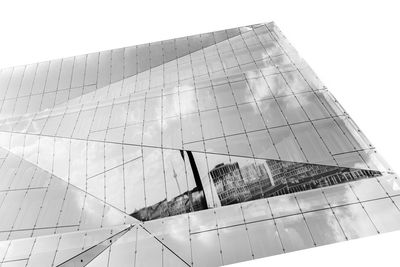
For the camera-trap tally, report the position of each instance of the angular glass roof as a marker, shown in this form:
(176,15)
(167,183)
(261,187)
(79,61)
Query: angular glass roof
(198,151)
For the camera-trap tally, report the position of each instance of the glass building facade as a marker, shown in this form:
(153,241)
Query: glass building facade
(204,150)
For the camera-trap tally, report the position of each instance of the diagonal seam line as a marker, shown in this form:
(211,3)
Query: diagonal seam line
(155,66)
(119,165)
(175,149)
(121,233)
(164,245)
(69,184)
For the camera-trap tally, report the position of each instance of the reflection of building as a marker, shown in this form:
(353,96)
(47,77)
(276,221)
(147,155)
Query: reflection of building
(290,177)
(235,184)
(229,183)
(187,202)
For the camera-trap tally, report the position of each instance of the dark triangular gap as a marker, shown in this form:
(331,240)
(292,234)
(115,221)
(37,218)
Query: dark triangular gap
(231,180)
(261,188)
(237,183)
(367,158)
(85,257)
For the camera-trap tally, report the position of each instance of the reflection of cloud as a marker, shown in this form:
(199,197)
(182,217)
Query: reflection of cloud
(259,88)
(188,100)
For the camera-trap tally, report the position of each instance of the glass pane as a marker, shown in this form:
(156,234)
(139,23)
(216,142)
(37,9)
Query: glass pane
(283,205)
(294,233)
(368,189)
(384,214)
(66,73)
(10,208)
(229,216)
(261,145)
(311,143)
(241,92)
(69,246)
(278,85)
(390,183)
(172,133)
(82,126)
(354,221)
(72,206)
(259,88)
(239,145)
(148,250)
(271,113)
(153,176)
(29,209)
(152,133)
(91,68)
(339,194)
(352,134)
(135,112)
(52,204)
(188,102)
(312,106)
(78,73)
(233,251)
(202,221)
(231,121)
(206,249)
(118,115)
(256,210)
(286,144)
(191,128)
(264,239)
(44,250)
(291,109)
(251,117)
(123,250)
(171,105)
(211,124)
(206,99)
(332,136)
(67,124)
(311,200)
(224,96)
(53,74)
(324,227)
(295,80)
(19,249)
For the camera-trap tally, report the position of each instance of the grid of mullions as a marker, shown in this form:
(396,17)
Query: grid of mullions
(56,249)
(33,202)
(268,94)
(218,63)
(23,89)
(282,224)
(208,238)
(113,124)
(273,114)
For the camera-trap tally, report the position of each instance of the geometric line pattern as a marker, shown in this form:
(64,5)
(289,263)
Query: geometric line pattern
(168,153)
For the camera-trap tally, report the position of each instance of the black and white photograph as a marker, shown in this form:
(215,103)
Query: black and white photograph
(199,134)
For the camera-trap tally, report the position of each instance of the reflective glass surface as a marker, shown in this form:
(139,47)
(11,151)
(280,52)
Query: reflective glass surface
(203,150)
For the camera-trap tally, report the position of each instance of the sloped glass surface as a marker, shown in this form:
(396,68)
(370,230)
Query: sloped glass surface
(198,142)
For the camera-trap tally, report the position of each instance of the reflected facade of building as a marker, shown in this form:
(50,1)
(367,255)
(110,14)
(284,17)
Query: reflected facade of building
(236,184)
